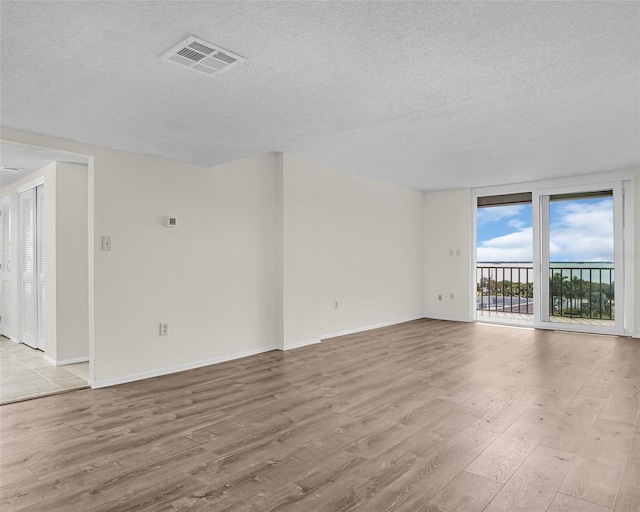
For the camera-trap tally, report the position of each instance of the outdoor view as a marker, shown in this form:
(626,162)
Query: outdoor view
(581,270)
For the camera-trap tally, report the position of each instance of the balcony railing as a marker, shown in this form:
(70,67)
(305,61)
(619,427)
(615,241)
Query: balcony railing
(505,289)
(575,292)
(582,292)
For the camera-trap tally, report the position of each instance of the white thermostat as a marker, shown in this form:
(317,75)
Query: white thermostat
(170,222)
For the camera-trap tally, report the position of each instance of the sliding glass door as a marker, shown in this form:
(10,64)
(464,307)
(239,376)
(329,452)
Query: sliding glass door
(578,240)
(504,265)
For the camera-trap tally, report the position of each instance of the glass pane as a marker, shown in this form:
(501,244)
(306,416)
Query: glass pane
(581,259)
(504,273)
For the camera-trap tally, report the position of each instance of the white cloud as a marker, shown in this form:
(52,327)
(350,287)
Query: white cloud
(583,232)
(497,213)
(517,246)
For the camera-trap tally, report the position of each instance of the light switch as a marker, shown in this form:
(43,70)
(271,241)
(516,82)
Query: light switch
(106,243)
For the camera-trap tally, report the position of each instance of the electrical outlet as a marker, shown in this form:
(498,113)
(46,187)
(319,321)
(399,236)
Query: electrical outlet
(440,297)
(451,295)
(450,252)
(164,329)
(336,305)
(457,252)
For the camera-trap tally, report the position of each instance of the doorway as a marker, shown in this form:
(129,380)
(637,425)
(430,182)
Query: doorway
(552,258)
(60,215)
(581,282)
(504,259)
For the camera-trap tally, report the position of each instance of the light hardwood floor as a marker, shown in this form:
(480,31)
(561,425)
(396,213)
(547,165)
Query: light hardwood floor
(423,416)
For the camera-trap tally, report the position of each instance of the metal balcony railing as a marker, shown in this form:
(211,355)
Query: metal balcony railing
(574,291)
(583,292)
(505,289)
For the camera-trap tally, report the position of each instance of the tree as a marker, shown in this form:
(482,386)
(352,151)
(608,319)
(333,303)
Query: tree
(599,305)
(559,290)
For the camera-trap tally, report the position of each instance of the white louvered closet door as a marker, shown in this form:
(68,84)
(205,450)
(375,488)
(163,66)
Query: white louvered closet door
(28,260)
(40,247)
(5,325)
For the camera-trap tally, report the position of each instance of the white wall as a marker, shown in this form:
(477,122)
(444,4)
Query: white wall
(71,239)
(50,313)
(636,254)
(259,242)
(371,252)
(448,219)
(300,251)
(212,278)
(347,239)
(219,277)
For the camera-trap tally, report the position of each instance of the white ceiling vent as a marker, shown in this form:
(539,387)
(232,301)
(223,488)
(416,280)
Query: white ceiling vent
(201,56)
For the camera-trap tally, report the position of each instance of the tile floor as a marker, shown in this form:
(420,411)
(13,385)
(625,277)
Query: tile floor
(25,374)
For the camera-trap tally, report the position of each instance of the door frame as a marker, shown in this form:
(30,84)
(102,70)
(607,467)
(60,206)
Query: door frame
(541,257)
(597,181)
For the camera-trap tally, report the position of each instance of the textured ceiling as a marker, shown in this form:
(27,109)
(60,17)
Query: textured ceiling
(429,95)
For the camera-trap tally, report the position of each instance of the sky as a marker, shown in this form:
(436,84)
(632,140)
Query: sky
(580,230)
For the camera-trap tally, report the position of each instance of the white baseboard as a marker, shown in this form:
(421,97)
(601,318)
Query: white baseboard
(178,368)
(63,362)
(636,335)
(11,338)
(74,360)
(49,360)
(300,344)
(369,327)
(449,318)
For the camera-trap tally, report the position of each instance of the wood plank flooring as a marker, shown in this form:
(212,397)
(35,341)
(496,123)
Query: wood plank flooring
(423,416)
